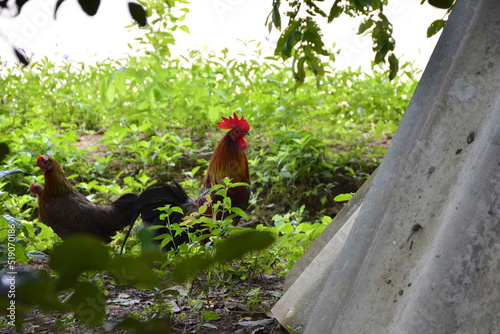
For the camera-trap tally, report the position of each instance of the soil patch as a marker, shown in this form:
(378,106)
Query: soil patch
(242,308)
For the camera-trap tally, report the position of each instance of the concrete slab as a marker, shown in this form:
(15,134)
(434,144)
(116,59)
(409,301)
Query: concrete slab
(423,254)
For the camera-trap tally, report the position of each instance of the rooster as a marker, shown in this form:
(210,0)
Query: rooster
(68,212)
(228,160)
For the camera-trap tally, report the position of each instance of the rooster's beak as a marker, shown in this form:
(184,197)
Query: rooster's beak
(247,134)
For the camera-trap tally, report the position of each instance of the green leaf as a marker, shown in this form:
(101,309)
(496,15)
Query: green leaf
(221,192)
(376,4)
(435,27)
(314,9)
(131,271)
(365,25)
(4,151)
(20,4)
(202,209)
(360,5)
(298,70)
(237,245)
(22,58)
(393,66)
(165,239)
(120,81)
(76,255)
(58,4)
(444,4)
(13,221)
(342,197)
(110,92)
(177,209)
(36,287)
(276,16)
(335,11)
(209,315)
(239,212)
(146,237)
(170,292)
(303,227)
(37,255)
(326,219)
(191,265)
(214,112)
(90,7)
(314,64)
(88,302)
(384,47)
(19,226)
(4,173)
(218,186)
(288,39)
(138,14)
(221,94)
(20,254)
(312,35)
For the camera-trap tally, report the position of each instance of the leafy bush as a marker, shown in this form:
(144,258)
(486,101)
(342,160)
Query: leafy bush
(123,126)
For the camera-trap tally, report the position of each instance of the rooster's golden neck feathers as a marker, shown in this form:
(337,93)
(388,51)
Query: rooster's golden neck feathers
(229,159)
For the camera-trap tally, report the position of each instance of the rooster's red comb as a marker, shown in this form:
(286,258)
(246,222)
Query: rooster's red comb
(234,122)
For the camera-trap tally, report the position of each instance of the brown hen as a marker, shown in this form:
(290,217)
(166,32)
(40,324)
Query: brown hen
(68,212)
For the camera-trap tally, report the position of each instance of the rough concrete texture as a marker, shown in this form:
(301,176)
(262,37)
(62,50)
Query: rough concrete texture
(314,266)
(423,255)
(328,234)
(297,304)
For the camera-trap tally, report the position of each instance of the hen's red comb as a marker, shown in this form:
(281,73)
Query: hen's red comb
(234,122)
(40,159)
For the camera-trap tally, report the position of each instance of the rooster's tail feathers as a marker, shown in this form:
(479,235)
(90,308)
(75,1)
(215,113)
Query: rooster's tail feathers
(156,197)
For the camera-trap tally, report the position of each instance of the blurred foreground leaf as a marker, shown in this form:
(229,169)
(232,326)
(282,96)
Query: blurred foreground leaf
(76,255)
(231,248)
(237,245)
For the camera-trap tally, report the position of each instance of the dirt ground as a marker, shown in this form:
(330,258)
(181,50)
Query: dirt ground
(244,308)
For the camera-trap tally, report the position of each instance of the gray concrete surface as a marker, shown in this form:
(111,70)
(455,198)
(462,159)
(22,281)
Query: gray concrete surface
(423,254)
